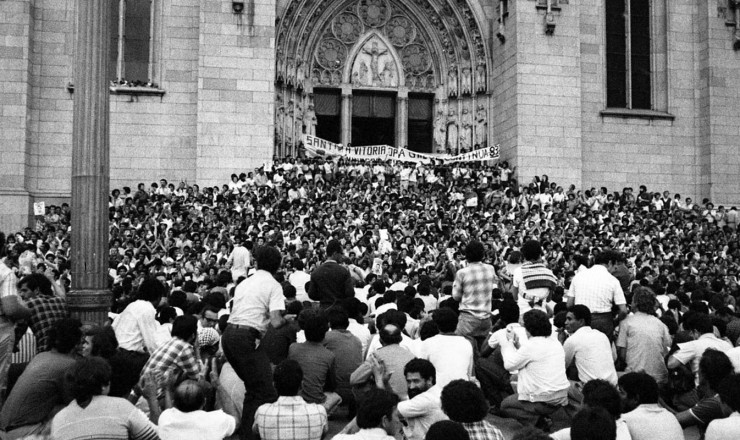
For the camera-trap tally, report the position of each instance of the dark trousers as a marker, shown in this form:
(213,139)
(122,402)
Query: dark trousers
(603,322)
(126,368)
(253,367)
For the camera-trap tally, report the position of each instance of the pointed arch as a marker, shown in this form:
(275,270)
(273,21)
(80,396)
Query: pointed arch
(361,44)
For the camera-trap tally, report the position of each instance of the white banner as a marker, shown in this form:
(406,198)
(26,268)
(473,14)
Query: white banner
(317,147)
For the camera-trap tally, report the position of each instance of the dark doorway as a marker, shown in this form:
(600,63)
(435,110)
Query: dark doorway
(327,107)
(421,126)
(373,118)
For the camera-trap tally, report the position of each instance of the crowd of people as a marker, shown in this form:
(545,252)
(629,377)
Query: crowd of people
(405,300)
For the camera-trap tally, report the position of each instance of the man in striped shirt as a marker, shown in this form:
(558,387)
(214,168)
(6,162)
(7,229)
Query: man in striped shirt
(473,288)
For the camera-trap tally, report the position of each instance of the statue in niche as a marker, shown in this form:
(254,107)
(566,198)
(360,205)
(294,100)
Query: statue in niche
(452,82)
(410,81)
(466,85)
(430,82)
(289,124)
(279,66)
(300,75)
(279,118)
(452,132)
(335,78)
(290,74)
(309,119)
(316,76)
(356,79)
(466,133)
(325,77)
(298,133)
(480,78)
(481,126)
(388,74)
(363,74)
(375,54)
(440,130)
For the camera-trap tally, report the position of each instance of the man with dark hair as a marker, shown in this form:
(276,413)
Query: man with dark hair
(331,281)
(138,332)
(473,288)
(176,356)
(532,282)
(600,394)
(593,424)
(644,340)
(714,367)
(290,417)
(41,387)
(451,354)
(728,428)
(600,291)
(424,406)
(258,301)
(46,309)
(277,341)
(347,350)
(391,354)
(187,418)
(464,402)
(589,349)
(317,362)
(645,418)
(92,413)
(376,417)
(239,261)
(447,430)
(690,353)
(542,387)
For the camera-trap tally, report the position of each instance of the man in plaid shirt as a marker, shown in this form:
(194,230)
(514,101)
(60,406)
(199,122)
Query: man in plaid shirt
(473,288)
(291,417)
(46,309)
(176,355)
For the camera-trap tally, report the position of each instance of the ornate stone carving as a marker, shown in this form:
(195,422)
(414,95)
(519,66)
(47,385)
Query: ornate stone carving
(452,130)
(452,81)
(332,54)
(401,31)
(374,66)
(466,84)
(347,27)
(466,129)
(480,78)
(416,59)
(309,119)
(374,13)
(440,129)
(481,126)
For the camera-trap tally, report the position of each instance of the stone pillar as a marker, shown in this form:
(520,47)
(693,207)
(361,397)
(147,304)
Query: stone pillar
(402,118)
(346,115)
(89,299)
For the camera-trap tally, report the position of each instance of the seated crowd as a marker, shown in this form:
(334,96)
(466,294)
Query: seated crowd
(401,301)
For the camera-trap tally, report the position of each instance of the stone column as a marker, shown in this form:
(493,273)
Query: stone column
(402,118)
(346,114)
(89,299)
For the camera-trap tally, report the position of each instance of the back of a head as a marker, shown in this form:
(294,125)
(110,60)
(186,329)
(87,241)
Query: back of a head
(464,402)
(640,386)
(537,323)
(314,324)
(700,322)
(447,430)
(268,258)
(475,251)
(392,316)
(287,378)
(508,312)
(104,342)
(65,335)
(532,250)
(714,366)
(333,247)
(729,391)
(184,327)
(607,256)
(87,378)
(189,396)
(179,299)
(593,424)
(600,393)
(338,318)
(378,286)
(446,320)
(152,290)
(644,300)
(390,334)
(376,405)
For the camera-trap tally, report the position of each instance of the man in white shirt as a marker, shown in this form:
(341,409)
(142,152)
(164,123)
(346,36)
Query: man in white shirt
(451,354)
(188,420)
(239,261)
(701,329)
(645,418)
(138,332)
(589,349)
(542,387)
(298,279)
(377,417)
(599,290)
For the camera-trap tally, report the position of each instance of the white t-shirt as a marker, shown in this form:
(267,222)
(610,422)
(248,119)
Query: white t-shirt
(197,425)
(451,355)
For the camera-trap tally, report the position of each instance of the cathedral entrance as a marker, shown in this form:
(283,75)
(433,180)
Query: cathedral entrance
(373,118)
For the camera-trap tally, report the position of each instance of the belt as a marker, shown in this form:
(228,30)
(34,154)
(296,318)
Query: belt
(244,327)
(601,313)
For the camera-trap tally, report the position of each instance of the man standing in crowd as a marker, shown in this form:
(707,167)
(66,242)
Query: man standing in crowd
(598,290)
(240,260)
(643,340)
(11,309)
(532,282)
(473,288)
(290,417)
(258,301)
(331,282)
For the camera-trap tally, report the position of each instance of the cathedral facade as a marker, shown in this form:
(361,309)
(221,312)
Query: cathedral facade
(608,93)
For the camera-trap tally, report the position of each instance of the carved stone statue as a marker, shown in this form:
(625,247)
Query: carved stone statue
(279,118)
(290,74)
(289,124)
(452,82)
(364,80)
(452,131)
(375,54)
(440,130)
(481,126)
(480,78)
(466,85)
(388,74)
(309,120)
(300,74)
(466,132)
(298,134)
